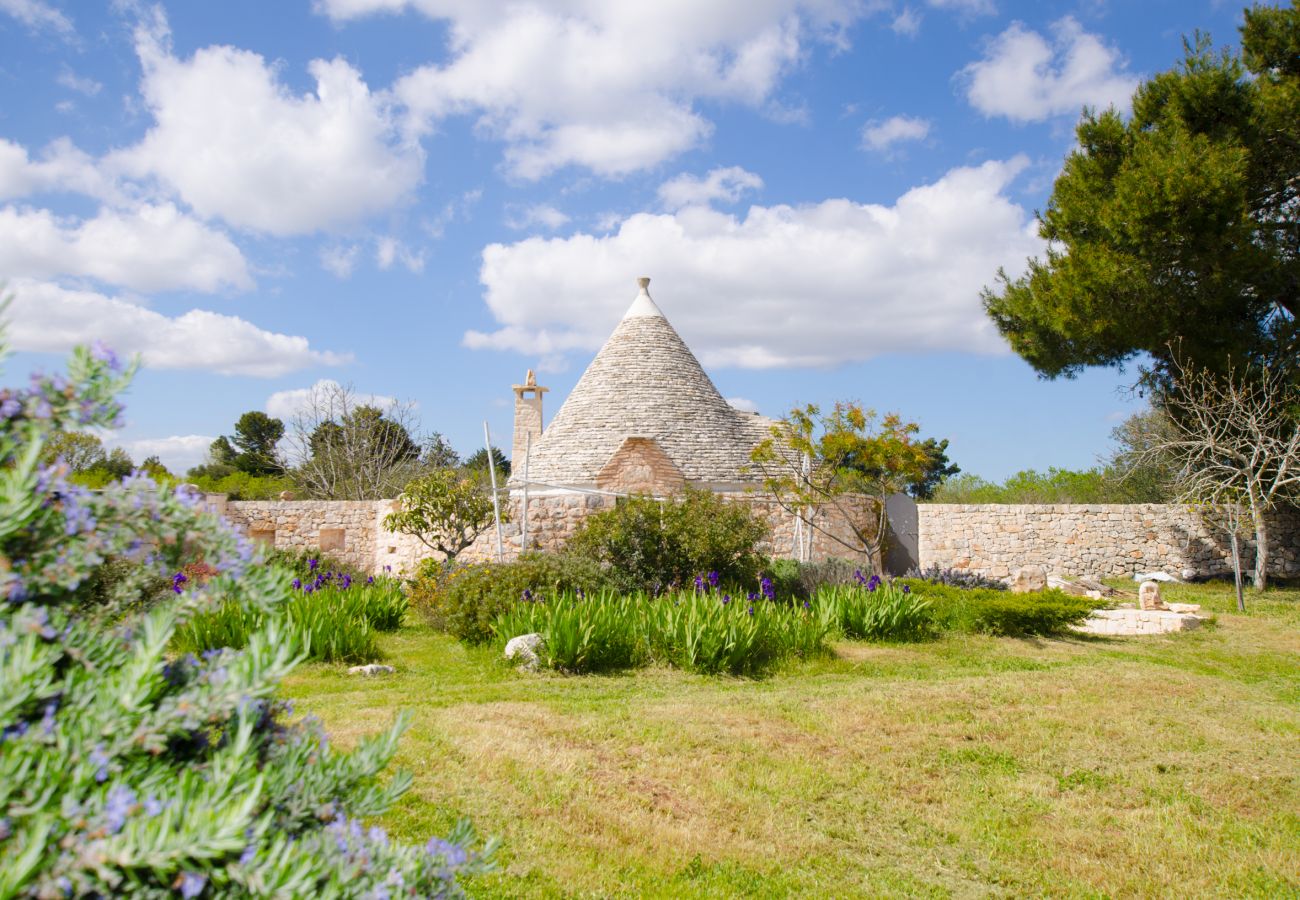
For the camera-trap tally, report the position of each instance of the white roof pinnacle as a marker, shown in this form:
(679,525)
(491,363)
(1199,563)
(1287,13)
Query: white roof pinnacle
(643,305)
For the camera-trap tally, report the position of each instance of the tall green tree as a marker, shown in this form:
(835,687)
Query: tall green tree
(255,439)
(478,461)
(79,450)
(1174,231)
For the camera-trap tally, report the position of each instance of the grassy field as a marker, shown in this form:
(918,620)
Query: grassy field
(963,767)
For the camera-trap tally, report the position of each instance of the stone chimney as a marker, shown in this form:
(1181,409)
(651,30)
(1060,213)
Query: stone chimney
(528,419)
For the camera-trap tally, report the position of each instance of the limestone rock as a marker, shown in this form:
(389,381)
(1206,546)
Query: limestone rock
(1137,622)
(1153,576)
(1149,596)
(524,648)
(1184,607)
(371,669)
(1028,579)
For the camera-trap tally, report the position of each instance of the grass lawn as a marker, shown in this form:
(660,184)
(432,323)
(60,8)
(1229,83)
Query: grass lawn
(966,766)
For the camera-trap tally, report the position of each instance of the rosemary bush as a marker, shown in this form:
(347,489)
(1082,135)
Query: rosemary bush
(128,771)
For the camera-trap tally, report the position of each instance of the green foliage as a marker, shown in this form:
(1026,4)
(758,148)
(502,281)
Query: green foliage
(466,600)
(332,622)
(242,485)
(477,462)
(1175,223)
(1001,613)
(938,468)
(1097,485)
(647,544)
(78,450)
(125,771)
(254,442)
(701,631)
(961,578)
(445,509)
(597,634)
(876,611)
(831,461)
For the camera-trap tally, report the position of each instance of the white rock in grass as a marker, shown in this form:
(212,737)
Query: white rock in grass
(524,648)
(371,669)
(1153,576)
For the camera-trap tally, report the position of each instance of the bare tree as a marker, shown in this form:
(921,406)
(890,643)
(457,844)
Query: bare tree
(345,446)
(1234,439)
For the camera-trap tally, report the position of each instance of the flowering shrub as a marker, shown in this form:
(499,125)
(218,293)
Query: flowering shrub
(875,610)
(124,771)
(960,578)
(333,618)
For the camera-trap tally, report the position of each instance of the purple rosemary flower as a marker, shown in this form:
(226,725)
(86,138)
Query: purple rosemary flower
(121,800)
(10,407)
(100,351)
(192,884)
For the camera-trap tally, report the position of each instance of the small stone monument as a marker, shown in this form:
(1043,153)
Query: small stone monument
(1149,596)
(1028,579)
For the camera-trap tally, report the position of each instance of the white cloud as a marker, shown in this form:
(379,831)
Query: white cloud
(815,285)
(179,453)
(968,7)
(542,214)
(150,248)
(720,184)
(74,82)
(47,317)
(742,404)
(1026,78)
(882,136)
(907,22)
(611,87)
(286,405)
(61,168)
(340,259)
(389,250)
(234,142)
(37,15)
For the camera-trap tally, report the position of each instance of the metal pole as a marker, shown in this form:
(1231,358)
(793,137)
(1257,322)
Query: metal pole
(496,503)
(807,529)
(523,526)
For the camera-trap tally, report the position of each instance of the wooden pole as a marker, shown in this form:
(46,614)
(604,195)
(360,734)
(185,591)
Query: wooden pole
(496,502)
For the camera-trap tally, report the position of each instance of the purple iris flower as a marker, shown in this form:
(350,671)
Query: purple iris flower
(713,579)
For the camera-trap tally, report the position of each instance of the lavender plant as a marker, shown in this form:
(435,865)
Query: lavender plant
(127,771)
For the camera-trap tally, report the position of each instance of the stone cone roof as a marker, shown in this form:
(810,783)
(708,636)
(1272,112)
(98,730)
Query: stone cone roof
(645,383)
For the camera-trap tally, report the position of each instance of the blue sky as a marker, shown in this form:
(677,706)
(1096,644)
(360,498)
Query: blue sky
(424,198)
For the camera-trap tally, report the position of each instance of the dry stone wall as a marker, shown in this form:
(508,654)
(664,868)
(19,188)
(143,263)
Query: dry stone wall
(991,539)
(1095,540)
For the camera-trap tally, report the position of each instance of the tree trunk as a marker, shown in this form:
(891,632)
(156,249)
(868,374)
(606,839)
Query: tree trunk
(1261,551)
(1236,569)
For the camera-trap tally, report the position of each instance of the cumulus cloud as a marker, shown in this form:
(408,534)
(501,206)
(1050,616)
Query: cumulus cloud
(726,184)
(61,168)
(883,136)
(287,405)
(37,15)
(236,143)
(48,317)
(150,248)
(526,72)
(1026,78)
(816,285)
(907,22)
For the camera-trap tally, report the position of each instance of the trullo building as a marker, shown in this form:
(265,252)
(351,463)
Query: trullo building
(643,418)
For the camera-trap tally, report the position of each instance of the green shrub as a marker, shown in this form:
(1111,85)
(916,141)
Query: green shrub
(962,578)
(995,612)
(465,600)
(651,545)
(599,633)
(307,564)
(128,772)
(243,486)
(876,611)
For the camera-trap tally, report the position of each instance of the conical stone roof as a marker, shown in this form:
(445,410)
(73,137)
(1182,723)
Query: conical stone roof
(645,383)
